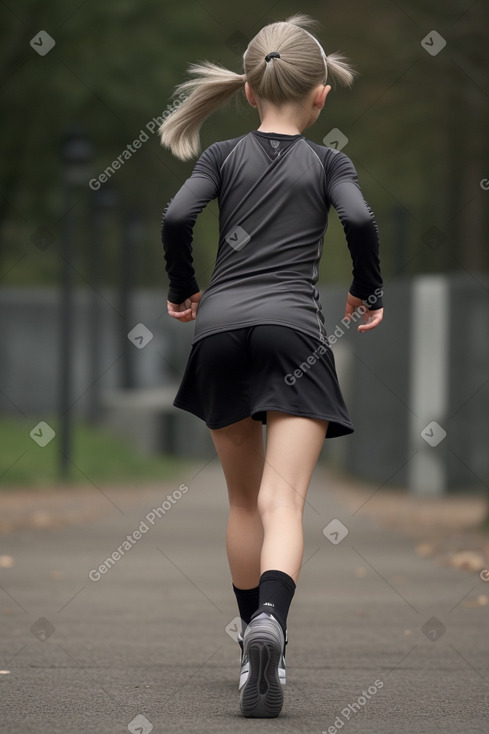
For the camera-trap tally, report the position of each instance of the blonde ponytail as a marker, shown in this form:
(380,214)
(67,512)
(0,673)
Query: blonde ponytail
(301,66)
(340,70)
(212,86)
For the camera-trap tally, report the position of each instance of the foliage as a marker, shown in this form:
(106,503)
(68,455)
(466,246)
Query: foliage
(416,125)
(98,457)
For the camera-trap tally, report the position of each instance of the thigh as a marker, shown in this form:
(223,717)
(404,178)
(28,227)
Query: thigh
(293,447)
(239,447)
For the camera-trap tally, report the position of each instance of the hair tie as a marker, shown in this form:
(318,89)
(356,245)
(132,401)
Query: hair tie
(272,55)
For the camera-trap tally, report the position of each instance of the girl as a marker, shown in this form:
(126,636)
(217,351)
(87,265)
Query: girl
(260,352)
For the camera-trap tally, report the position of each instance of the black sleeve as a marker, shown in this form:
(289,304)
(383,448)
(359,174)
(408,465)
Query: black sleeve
(359,226)
(178,221)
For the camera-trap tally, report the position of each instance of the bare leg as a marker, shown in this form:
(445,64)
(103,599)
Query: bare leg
(267,495)
(293,447)
(240,450)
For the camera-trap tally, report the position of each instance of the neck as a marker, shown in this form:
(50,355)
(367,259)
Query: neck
(277,130)
(269,126)
(286,123)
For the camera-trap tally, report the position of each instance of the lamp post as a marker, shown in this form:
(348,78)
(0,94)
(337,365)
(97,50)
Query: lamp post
(131,240)
(76,154)
(104,200)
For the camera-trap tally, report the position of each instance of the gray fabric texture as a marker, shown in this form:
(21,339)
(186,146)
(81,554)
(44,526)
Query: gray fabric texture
(274,193)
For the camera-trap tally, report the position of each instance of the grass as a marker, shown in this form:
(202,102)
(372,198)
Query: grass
(98,457)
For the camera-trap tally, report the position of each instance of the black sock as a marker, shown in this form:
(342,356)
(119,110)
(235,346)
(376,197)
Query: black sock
(276,591)
(247,603)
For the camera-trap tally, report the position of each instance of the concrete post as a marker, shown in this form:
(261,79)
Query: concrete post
(429,375)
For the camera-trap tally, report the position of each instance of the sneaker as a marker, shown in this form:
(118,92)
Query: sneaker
(263,654)
(245,665)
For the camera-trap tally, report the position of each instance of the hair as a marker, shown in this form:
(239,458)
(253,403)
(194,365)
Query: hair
(302,65)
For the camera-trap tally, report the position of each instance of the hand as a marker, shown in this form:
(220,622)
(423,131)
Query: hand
(372,318)
(186,311)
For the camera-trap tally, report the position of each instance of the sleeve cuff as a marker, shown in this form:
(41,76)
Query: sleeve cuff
(372,301)
(179,294)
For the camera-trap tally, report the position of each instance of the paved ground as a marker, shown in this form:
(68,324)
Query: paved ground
(146,645)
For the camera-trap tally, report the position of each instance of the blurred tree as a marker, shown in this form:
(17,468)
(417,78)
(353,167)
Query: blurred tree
(416,123)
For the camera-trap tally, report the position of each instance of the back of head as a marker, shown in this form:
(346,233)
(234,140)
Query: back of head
(302,64)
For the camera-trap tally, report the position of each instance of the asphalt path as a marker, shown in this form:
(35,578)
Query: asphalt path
(110,627)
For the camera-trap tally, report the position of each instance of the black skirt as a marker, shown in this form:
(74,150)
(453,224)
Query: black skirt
(245,372)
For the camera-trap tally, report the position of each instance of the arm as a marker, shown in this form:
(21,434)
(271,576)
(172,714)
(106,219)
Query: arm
(177,225)
(361,234)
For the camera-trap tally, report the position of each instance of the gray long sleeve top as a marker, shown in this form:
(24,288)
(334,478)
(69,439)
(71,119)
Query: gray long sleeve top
(274,193)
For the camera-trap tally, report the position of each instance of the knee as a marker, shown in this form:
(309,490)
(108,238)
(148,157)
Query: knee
(243,500)
(269,502)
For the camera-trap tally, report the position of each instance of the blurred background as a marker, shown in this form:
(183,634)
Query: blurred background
(90,361)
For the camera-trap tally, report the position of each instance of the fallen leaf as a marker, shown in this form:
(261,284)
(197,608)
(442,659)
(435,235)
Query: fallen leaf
(424,550)
(470,560)
(479,601)
(40,518)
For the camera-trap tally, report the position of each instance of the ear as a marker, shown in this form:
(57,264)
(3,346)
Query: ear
(321,94)
(249,95)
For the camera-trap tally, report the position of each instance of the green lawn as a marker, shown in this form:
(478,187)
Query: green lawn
(98,457)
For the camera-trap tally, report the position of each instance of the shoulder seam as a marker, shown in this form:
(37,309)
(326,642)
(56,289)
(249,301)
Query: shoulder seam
(232,151)
(322,164)
(312,149)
